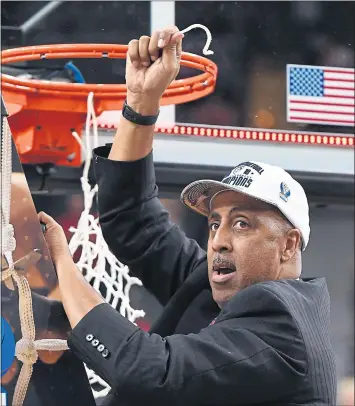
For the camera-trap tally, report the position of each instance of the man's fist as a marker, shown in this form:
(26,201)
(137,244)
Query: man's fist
(152,64)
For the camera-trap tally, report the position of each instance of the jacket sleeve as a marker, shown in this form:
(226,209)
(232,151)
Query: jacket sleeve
(253,355)
(138,229)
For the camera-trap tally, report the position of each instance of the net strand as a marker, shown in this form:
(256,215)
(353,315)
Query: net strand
(27,347)
(100,267)
(206,51)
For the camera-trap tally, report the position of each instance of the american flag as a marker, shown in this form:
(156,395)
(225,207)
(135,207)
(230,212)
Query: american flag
(320,95)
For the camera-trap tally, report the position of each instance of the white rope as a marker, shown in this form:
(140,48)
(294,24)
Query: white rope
(27,347)
(99,266)
(205,50)
(6,170)
(8,242)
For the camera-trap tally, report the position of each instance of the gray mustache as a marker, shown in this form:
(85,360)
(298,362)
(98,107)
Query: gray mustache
(220,262)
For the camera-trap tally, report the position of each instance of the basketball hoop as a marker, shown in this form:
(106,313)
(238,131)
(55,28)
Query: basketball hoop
(48,112)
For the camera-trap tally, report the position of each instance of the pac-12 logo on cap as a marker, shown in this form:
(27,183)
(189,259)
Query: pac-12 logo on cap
(285,192)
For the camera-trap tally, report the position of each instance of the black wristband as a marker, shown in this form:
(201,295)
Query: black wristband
(136,118)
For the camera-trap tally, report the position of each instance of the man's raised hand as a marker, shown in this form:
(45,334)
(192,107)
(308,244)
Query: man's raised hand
(152,64)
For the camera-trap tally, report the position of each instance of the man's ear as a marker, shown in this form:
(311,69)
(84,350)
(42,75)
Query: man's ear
(292,244)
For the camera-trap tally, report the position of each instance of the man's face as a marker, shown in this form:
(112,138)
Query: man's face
(246,241)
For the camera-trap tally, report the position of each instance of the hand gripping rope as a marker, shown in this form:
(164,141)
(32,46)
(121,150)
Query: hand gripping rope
(27,346)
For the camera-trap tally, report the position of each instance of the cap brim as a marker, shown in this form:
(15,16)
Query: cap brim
(197,195)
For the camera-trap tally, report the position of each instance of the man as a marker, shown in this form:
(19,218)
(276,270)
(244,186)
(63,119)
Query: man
(239,326)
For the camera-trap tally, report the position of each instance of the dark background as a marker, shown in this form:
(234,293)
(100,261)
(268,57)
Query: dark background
(253,42)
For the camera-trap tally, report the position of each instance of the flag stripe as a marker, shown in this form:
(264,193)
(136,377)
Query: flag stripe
(321,120)
(321,103)
(331,79)
(321,115)
(338,92)
(326,99)
(343,97)
(336,70)
(345,76)
(338,86)
(325,109)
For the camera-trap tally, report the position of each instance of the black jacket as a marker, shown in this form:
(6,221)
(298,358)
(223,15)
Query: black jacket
(268,346)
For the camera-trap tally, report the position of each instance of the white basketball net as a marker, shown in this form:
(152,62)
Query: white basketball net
(99,266)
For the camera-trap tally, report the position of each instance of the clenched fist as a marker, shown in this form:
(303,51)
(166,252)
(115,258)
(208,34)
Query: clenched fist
(152,64)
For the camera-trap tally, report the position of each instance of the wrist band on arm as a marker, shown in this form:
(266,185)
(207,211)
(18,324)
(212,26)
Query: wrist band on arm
(129,114)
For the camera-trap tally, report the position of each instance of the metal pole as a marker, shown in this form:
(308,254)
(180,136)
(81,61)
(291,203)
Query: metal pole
(40,15)
(162,14)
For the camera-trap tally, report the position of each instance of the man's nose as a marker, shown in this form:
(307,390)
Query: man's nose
(222,240)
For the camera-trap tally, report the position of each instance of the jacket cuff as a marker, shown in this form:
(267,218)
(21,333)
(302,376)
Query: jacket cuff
(98,336)
(137,177)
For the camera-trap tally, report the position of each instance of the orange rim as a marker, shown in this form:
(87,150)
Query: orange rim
(179,91)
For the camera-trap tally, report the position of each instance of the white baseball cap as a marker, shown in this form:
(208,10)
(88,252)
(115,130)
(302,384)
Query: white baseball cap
(268,183)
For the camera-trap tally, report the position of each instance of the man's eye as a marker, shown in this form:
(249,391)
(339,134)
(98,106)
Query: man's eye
(240,224)
(214,227)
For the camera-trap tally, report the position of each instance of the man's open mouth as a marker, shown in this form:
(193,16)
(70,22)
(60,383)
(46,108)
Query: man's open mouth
(224,271)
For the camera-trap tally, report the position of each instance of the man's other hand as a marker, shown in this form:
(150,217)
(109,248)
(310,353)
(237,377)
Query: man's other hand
(55,238)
